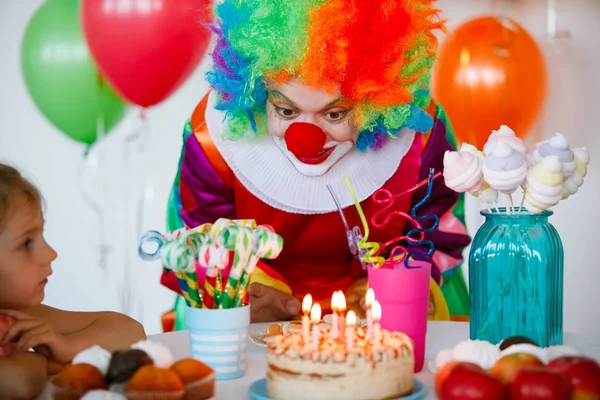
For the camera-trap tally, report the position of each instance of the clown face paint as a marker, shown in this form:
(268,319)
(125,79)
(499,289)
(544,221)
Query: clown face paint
(296,102)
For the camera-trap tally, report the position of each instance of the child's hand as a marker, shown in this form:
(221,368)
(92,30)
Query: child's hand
(30,333)
(268,304)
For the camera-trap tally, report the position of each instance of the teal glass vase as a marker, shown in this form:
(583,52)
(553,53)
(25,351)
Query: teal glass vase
(516,278)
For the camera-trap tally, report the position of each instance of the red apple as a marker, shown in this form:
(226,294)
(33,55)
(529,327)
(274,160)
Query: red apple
(539,383)
(5,324)
(508,366)
(467,381)
(583,373)
(443,372)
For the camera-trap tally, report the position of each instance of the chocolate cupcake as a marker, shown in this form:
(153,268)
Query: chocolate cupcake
(513,340)
(124,364)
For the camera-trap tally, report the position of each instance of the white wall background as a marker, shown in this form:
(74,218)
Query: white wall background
(127,176)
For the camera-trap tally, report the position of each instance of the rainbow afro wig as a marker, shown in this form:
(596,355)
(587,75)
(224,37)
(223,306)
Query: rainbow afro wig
(378,52)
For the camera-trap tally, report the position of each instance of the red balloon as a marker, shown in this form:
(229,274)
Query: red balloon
(146,48)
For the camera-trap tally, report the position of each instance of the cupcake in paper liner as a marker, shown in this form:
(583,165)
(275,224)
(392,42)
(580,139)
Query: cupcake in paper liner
(198,378)
(74,381)
(153,383)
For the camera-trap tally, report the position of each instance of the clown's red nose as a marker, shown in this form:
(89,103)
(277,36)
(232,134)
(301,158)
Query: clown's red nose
(305,140)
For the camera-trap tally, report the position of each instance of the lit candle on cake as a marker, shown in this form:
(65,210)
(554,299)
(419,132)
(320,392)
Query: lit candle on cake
(350,322)
(315,317)
(369,299)
(335,332)
(342,311)
(376,310)
(306,305)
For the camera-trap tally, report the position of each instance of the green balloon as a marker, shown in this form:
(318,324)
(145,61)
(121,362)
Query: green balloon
(61,76)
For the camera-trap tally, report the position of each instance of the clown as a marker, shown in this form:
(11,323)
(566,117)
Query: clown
(304,91)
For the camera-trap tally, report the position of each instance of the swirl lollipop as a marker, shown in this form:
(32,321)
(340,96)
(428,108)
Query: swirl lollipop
(504,135)
(178,257)
(544,184)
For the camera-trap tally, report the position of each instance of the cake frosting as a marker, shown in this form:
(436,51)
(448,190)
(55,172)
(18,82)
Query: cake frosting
(368,370)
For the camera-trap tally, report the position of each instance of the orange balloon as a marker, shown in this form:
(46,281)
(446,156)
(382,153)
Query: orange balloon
(490,72)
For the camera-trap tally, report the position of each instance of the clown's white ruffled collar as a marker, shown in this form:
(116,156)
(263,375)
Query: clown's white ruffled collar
(264,170)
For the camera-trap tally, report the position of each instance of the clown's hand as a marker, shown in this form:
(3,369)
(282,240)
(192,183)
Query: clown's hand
(270,305)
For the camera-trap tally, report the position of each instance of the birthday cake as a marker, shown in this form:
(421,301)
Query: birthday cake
(330,367)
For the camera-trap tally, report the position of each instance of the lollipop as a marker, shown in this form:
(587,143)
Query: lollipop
(544,184)
(572,184)
(504,135)
(462,171)
(504,168)
(557,146)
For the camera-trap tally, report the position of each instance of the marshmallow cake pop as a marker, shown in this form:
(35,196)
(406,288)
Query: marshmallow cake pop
(544,184)
(504,168)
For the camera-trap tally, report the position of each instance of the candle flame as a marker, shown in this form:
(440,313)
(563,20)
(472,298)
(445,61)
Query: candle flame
(351,318)
(315,313)
(376,310)
(306,304)
(341,304)
(370,297)
(334,302)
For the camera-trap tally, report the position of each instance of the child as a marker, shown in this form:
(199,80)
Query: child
(55,336)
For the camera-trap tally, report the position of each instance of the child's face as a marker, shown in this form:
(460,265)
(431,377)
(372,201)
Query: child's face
(25,256)
(296,102)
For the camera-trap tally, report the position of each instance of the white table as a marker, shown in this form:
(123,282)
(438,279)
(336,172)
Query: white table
(440,335)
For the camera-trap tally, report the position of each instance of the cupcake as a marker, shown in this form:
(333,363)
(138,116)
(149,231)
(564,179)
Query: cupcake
(124,364)
(198,378)
(153,383)
(159,353)
(76,380)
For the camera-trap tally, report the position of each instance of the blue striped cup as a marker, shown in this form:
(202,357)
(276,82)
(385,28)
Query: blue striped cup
(218,338)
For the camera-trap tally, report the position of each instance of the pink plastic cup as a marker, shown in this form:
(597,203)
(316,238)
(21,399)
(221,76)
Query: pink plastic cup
(404,296)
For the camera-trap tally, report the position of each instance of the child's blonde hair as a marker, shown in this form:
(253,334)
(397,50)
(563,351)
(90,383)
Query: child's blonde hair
(13,185)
